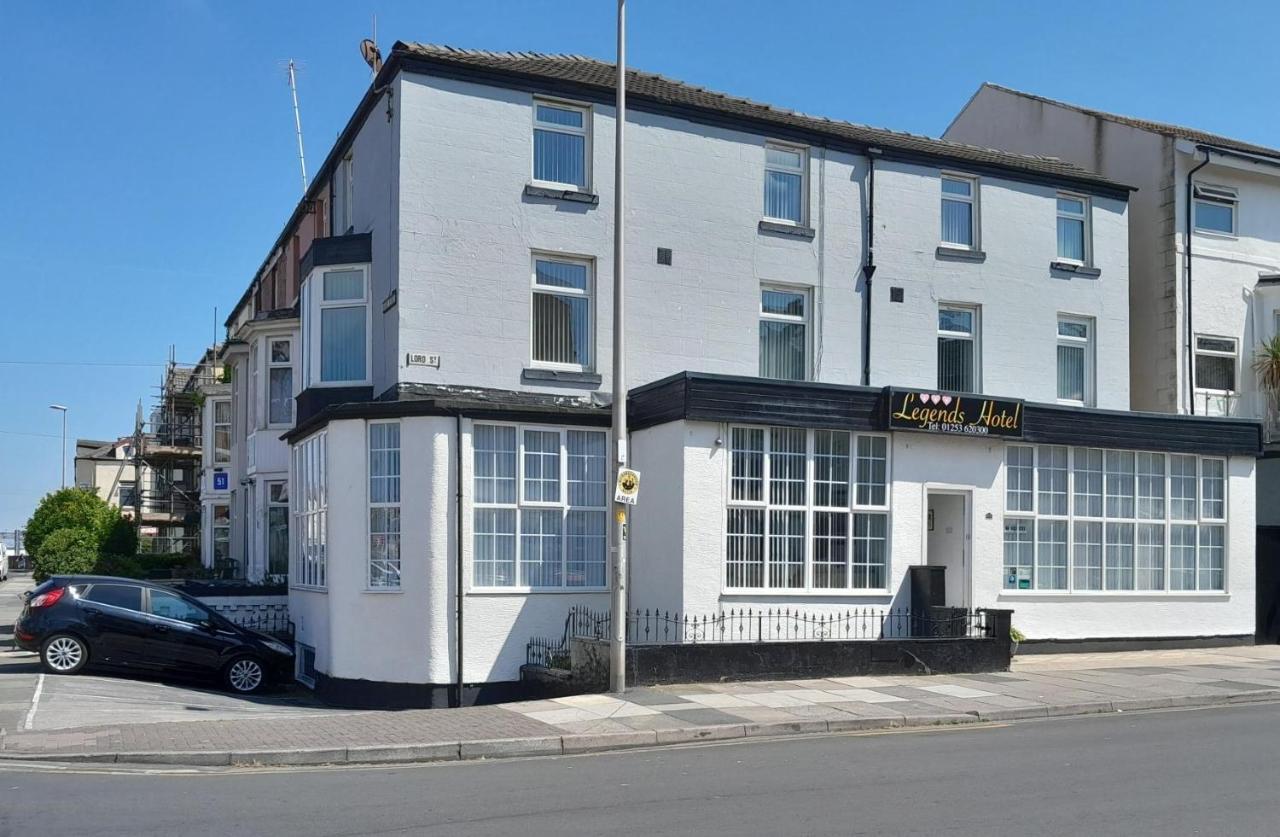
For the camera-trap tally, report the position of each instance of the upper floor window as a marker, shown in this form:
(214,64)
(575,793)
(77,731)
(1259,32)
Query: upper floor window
(128,494)
(784,333)
(1216,363)
(958,348)
(784,182)
(1073,229)
(1215,209)
(1075,360)
(340,309)
(561,145)
(279,381)
(222,430)
(562,321)
(343,195)
(959,211)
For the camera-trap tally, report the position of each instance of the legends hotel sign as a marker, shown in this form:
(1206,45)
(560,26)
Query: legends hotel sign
(964,415)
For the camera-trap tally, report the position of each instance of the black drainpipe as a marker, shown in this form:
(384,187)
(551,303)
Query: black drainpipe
(869,266)
(457,448)
(1190,210)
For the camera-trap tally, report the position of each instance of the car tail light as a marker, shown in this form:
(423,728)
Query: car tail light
(47,599)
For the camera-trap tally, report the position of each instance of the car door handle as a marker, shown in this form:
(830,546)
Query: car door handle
(93,611)
(161,629)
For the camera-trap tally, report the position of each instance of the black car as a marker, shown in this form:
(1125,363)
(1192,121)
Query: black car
(82,620)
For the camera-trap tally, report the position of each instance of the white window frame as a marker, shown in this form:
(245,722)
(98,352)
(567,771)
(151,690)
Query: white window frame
(520,504)
(810,507)
(370,506)
(1090,365)
(271,366)
(271,504)
(1086,228)
(219,532)
(802,170)
(313,293)
(1235,362)
(213,421)
(344,193)
(974,201)
(1134,520)
(975,338)
(309,536)
(805,320)
(553,290)
(584,132)
(1225,196)
(252,419)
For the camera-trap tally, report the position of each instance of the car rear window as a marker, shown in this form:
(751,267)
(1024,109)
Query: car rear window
(116,595)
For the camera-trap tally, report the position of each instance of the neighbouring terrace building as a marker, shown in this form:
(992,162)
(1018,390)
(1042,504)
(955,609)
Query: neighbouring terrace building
(850,350)
(1204,254)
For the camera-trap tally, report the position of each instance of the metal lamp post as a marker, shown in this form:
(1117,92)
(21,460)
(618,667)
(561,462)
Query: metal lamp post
(618,640)
(63,450)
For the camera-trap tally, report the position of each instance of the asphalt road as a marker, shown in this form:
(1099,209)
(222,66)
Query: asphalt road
(1168,773)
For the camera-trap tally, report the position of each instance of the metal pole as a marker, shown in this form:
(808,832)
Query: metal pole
(64,448)
(618,641)
(297,122)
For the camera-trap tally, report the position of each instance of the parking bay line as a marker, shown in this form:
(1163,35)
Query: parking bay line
(35,703)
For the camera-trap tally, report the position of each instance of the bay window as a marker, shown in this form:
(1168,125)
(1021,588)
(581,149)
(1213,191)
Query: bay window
(540,497)
(278,528)
(384,505)
(807,510)
(1114,520)
(336,327)
(279,382)
(310,512)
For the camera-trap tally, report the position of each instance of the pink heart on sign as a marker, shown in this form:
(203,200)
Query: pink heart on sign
(935,398)
(946,399)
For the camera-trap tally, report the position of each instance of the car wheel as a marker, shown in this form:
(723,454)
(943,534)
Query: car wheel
(245,676)
(64,654)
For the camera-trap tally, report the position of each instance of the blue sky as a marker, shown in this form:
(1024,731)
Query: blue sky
(147,156)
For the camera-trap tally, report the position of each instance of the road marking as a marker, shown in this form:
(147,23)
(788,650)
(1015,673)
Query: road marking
(35,703)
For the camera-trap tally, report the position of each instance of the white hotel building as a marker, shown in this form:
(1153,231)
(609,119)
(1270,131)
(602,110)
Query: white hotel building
(796,288)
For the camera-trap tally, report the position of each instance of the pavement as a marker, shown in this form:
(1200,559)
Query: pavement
(1208,772)
(116,720)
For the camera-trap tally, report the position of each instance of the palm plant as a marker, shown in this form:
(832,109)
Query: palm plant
(1266,365)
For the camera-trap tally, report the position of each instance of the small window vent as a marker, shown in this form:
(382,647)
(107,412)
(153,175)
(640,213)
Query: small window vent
(664,255)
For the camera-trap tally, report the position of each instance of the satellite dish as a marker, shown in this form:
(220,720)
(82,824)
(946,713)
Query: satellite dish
(371,54)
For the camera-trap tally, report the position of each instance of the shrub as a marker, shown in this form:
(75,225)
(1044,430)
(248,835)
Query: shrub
(69,551)
(70,508)
(125,566)
(121,536)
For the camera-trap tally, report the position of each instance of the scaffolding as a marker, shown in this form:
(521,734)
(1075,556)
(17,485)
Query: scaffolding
(167,451)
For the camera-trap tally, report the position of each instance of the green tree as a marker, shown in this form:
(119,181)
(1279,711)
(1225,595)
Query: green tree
(69,551)
(70,508)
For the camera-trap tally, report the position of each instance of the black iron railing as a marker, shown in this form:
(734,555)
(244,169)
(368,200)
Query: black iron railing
(747,625)
(274,622)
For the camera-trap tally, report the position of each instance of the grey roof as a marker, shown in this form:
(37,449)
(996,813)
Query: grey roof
(601,75)
(1166,128)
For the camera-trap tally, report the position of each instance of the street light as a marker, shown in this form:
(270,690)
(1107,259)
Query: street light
(63,450)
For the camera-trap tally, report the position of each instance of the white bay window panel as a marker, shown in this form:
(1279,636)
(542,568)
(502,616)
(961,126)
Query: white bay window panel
(801,513)
(1182,557)
(1149,557)
(1019,478)
(540,507)
(310,509)
(1182,487)
(1151,486)
(1087,482)
(1087,555)
(1213,485)
(1019,552)
(1052,476)
(384,506)
(1119,556)
(1211,560)
(1051,554)
(341,308)
(280,382)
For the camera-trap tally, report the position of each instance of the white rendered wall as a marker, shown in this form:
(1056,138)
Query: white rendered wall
(921,463)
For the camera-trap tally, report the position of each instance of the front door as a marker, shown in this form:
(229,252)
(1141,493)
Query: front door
(947,543)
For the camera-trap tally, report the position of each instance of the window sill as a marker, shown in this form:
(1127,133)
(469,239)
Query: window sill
(739,592)
(310,588)
(1153,595)
(960,254)
(532,190)
(1225,236)
(781,228)
(1077,269)
(533,591)
(533,375)
(382,591)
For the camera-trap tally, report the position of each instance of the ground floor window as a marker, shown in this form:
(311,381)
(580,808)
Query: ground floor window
(808,509)
(1114,520)
(310,507)
(278,528)
(221,535)
(384,505)
(540,507)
